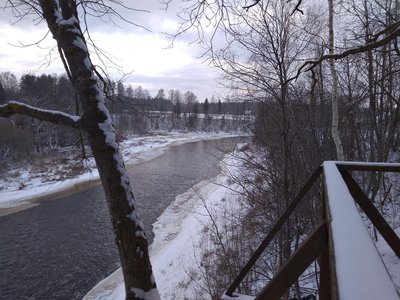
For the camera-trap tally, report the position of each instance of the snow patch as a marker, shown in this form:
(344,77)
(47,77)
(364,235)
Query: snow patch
(67,22)
(74,30)
(78,42)
(109,134)
(178,236)
(150,295)
(237,297)
(48,111)
(135,219)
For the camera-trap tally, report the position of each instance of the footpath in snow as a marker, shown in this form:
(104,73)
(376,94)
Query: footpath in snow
(28,187)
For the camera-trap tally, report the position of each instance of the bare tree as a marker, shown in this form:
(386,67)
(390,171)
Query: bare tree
(264,44)
(2,94)
(62,19)
(261,62)
(335,85)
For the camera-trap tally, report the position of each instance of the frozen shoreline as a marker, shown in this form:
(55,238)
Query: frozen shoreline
(27,191)
(177,243)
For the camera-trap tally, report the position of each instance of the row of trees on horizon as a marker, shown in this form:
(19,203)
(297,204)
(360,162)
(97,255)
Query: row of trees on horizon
(56,92)
(134,111)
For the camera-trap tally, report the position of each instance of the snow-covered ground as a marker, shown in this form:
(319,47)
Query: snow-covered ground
(28,184)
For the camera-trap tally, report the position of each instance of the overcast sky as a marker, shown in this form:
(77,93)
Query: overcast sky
(145,54)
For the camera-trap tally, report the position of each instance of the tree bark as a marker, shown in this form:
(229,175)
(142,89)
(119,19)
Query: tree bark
(62,20)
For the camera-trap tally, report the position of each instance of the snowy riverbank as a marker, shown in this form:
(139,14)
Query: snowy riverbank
(20,191)
(178,244)
(176,249)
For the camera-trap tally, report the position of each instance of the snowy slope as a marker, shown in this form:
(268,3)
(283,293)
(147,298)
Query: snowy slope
(178,235)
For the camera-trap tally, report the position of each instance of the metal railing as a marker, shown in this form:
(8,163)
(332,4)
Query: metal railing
(335,241)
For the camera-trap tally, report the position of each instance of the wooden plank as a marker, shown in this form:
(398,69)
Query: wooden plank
(372,213)
(329,254)
(377,167)
(324,261)
(274,231)
(296,265)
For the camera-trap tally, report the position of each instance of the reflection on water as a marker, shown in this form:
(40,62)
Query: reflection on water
(61,249)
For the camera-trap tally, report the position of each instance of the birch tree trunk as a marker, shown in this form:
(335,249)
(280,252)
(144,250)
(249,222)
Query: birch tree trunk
(334,97)
(62,20)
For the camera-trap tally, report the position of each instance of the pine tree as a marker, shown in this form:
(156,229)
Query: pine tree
(206,106)
(2,94)
(219,108)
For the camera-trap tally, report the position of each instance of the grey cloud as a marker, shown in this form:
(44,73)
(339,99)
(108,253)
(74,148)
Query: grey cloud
(204,84)
(201,81)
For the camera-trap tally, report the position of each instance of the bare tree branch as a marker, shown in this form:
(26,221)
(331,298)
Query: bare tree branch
(391,33)
(55,117)
(251,5)
(297,8)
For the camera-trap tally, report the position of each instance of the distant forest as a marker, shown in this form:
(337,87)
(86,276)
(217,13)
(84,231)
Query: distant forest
(134,111)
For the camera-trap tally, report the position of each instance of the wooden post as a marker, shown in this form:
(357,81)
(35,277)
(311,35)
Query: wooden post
(296,265)
(324,268)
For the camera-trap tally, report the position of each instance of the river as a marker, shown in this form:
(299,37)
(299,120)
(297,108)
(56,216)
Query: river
(60,249)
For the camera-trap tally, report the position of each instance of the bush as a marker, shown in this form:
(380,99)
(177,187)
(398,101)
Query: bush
(16,143)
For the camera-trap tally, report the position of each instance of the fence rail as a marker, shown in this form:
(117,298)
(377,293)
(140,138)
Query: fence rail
(346,254)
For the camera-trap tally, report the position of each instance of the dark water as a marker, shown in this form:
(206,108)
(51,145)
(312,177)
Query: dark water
(61,249)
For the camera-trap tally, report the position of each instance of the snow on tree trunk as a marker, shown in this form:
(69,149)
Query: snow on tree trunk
(62,20)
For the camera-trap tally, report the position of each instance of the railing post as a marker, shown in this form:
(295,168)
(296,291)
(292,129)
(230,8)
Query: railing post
(296,265)
(324,269)
(341,230)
